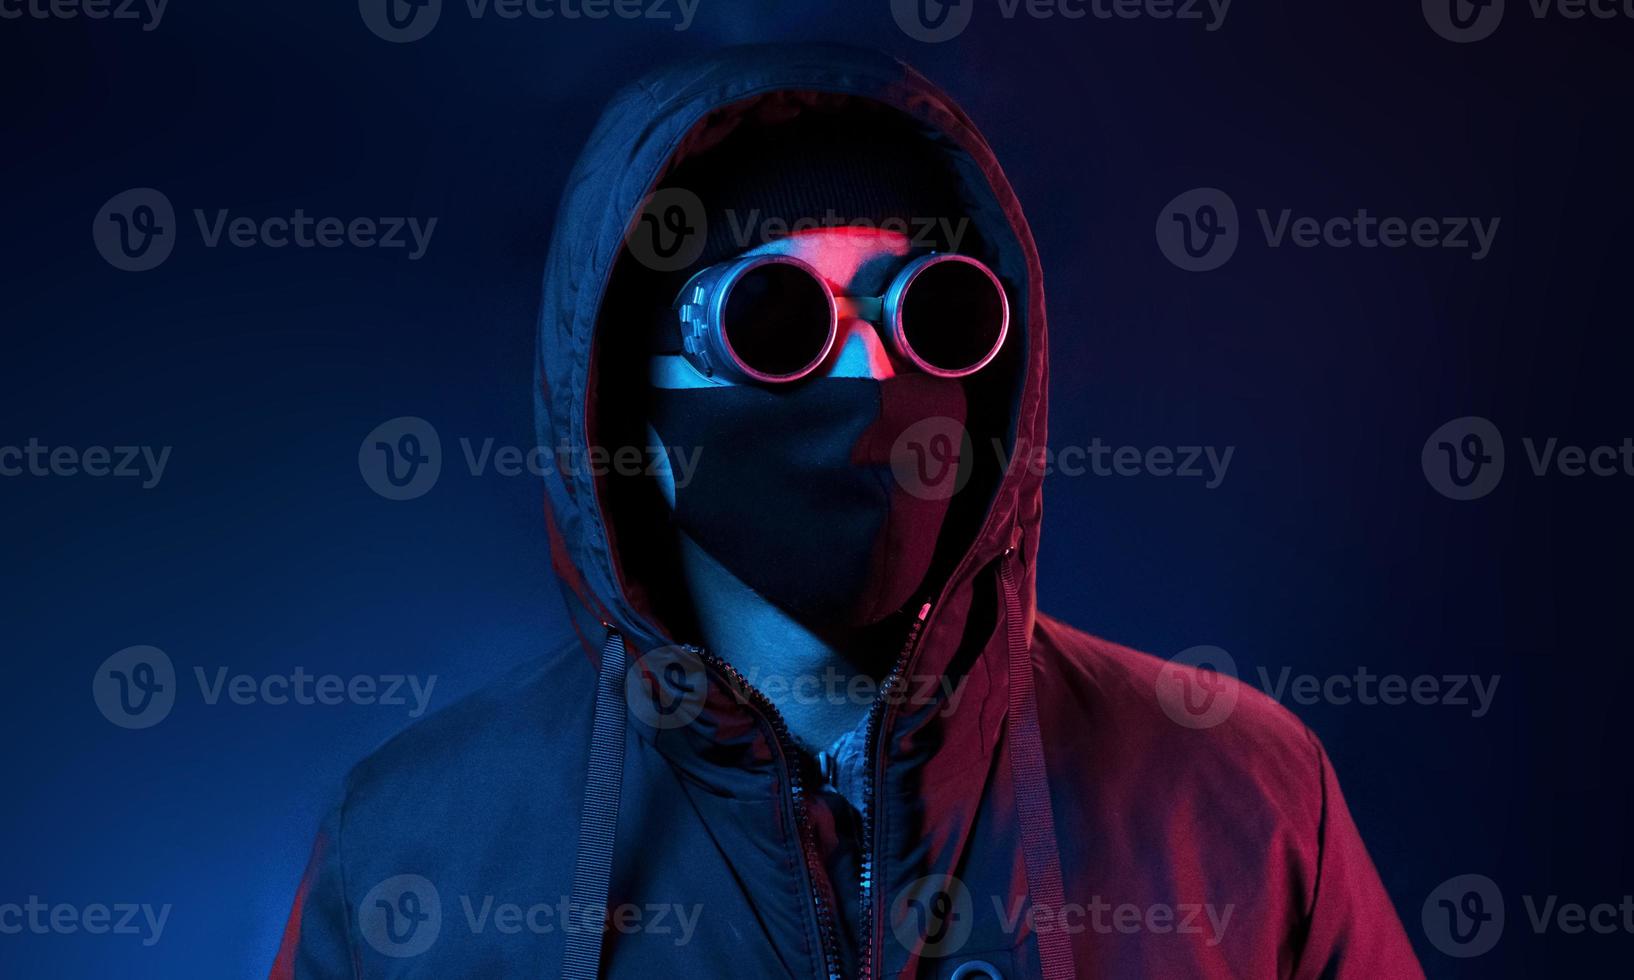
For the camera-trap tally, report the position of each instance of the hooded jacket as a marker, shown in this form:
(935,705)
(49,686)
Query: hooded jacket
(1061,817)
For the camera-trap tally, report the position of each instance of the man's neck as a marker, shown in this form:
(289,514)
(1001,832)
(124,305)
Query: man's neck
(805,675)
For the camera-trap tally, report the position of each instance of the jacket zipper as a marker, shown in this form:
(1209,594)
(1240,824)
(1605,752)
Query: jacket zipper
(808,843)
(802,820)
(876,714)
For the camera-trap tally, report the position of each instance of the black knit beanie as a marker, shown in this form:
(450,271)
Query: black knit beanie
(821,170)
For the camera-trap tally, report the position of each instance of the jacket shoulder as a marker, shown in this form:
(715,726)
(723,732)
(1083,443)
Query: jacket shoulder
(1167,732)
(525,730)
(453,802)
(1235,793)
(1146,688)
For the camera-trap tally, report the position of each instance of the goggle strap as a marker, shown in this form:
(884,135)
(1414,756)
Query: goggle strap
(669,336)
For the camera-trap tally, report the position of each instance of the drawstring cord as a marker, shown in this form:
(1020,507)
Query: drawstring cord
(598,819)
(1038,843)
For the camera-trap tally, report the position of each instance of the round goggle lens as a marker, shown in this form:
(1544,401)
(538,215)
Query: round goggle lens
(953,315)
(777,319)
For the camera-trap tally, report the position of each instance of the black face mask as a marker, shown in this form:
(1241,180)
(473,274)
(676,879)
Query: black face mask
(794,490)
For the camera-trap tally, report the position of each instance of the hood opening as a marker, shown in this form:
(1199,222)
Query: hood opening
(605,546)
(641,541)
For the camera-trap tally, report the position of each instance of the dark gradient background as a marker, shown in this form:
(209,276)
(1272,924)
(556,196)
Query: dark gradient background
(1324,549)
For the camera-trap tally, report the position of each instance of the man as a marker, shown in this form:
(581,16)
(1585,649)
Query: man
(811,724)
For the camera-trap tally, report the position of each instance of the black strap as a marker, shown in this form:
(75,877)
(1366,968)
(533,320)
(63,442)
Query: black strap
(598,819)
(667,339)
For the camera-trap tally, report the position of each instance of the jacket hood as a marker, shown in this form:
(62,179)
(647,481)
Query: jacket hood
(645,131)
